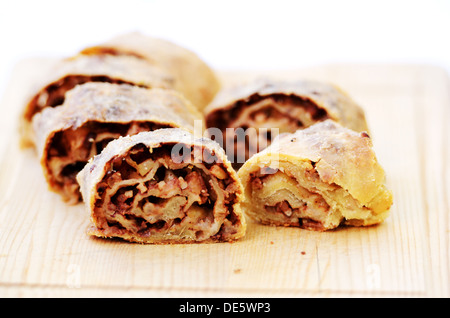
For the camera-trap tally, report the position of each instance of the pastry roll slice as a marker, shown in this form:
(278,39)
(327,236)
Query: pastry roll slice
(260,109)
(68,73)
(318,178)
(92,115)
(163,186)
(193,77)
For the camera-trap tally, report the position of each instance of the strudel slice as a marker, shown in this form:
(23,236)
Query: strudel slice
(92,115)
(67,73)
(250,115)
(318,178)
(163,186)
(194,78)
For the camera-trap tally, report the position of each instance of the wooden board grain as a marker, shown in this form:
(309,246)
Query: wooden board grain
(44,251)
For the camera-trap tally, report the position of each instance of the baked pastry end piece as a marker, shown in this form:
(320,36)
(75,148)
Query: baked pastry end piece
(319,179)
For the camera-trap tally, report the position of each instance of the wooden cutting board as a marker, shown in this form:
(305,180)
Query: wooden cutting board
(44,251)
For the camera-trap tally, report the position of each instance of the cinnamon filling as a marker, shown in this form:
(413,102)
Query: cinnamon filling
(148,194)
(54,94)
(285,113)
(70,150)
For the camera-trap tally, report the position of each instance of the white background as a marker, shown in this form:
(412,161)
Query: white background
(236,34)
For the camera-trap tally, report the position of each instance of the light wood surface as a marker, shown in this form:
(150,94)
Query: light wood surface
(44,251)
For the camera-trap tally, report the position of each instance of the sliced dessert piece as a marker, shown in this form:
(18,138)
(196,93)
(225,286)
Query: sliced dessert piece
(70,72)
(194,78)
(250,115)
(163,186)
(92,115)
(317,178)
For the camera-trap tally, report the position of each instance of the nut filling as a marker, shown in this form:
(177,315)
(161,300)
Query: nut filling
(71,149)
(283,112)
(261,109)
(145,193)
(54,94)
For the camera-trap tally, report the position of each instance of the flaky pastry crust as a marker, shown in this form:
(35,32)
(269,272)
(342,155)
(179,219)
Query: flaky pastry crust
(317,178)
(194,78)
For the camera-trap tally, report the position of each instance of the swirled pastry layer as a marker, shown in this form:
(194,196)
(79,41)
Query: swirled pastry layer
(317,178)
(163,186)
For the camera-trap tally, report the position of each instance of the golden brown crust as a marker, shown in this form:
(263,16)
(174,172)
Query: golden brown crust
(194,78)
(229,224)
(68,135)
(327,174)
(69,72)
